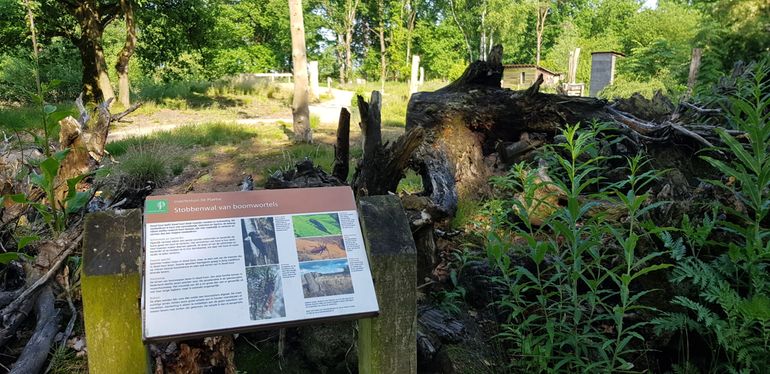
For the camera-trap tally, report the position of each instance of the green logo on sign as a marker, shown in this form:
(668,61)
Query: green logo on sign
(155,206)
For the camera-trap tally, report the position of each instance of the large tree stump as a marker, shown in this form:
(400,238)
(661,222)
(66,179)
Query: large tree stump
(466,120)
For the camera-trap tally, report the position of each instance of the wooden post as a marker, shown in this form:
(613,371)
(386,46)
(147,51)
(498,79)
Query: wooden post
(329,85)
(694,67)
(388,343)
(415,70)
(111,287)
(312,70)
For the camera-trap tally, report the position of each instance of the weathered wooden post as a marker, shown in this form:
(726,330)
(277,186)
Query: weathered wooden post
(111,286)
(312,70)
(388,343)
(415,70)
(692,78)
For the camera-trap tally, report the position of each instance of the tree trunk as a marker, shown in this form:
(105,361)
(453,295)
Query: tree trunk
(125,54)
(341,56)
(96,81)
(348,54)
(542,13)
(382,46)
(300,110)
(411,18)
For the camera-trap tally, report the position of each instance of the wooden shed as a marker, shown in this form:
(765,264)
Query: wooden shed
(603,70)
(521,76)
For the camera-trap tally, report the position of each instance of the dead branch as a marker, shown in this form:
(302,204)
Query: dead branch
(342,148)
(61,258)
(35,353)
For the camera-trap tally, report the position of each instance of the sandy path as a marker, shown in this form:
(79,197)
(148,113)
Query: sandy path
(167,119)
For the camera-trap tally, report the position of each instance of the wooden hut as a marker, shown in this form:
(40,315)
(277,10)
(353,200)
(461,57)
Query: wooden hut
(521,76)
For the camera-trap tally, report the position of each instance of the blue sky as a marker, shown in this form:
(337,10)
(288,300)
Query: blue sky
(326,267)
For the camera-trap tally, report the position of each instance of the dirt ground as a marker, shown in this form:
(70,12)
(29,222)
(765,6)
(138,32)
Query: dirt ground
(222,168)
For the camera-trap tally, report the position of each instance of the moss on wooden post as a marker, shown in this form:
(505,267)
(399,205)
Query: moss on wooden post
(111,287)
(388,343)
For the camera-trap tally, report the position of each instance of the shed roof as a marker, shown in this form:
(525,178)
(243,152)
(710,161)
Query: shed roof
(621,54)
(530,66)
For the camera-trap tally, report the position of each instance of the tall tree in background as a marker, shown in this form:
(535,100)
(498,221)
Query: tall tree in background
(121,66)
(83,22)
(342,20)
(542,8)
(300,110)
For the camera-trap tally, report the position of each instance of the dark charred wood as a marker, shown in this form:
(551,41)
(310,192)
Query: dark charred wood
(441,324)
(371,124)
(341,166)
(35,353)
(6,297)
(481,73)
(467,120)
(248,183)
(13,319)
(304,174)
(382,165)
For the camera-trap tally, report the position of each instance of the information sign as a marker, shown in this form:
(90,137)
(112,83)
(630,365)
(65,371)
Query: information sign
(237,261)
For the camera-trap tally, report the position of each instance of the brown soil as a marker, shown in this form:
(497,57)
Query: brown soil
(312,249)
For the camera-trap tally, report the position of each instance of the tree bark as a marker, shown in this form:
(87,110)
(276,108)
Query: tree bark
(121,66)
(542,13)
(350,19)
(300,110)
(96,81)
(342,148)
(381,33)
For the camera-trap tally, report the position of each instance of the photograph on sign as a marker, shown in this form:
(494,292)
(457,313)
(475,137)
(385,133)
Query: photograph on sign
(326,278)
(239,261)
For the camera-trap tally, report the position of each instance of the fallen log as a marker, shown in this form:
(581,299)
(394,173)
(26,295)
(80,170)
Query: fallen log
(466,120)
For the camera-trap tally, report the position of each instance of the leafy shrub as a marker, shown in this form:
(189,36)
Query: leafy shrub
(569,297)
(59,66)
(731,308)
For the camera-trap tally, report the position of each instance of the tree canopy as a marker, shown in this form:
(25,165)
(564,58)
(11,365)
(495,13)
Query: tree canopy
(209,39)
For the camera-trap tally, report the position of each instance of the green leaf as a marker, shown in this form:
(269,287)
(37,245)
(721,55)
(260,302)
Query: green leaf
(650,269)
(77,202)
(26,240)
(19,198)
(48,108)
(7,257)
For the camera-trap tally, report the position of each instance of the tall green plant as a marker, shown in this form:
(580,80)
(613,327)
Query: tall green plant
(54,211)
(732,306)
(568,309)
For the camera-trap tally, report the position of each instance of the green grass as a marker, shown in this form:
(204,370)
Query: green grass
(412,183)
(203,135)
(467,212)
(316,225)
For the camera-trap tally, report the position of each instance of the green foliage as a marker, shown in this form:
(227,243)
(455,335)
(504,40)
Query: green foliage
(731,305)
(622,87)
(568,302)
(55,210)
